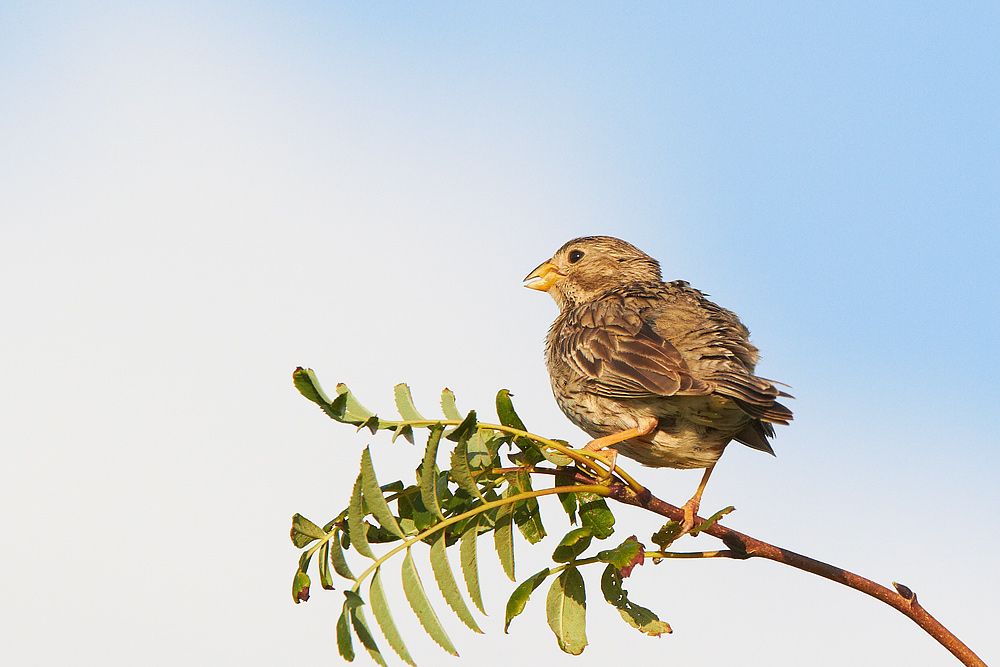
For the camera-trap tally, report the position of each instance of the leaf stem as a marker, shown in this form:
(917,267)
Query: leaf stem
(581,488)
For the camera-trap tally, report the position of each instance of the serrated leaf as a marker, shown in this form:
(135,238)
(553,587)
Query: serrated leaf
(300,587)
(357,528)
(625,556)
(338,561)
(447,584)
(404,403)
(503,539)
(595,514)
(354,412)
(464,430)
(467,552)
(707,523)
(404,430)
(461,472)
(428,472)
(414,591)
(451,412)
(479,453)
(325,578)
(526,513)
(566,611)
(361,629)
(638,617)
(304,531)
(344,644)
(372,493)
(519,598)
(574,543)
(380,608)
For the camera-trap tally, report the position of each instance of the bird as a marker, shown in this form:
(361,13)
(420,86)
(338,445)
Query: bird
(652,370)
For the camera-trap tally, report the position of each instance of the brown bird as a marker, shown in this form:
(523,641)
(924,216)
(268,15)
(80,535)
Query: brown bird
(652,370)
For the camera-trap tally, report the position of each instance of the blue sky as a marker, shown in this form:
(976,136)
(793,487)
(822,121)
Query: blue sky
(197,197)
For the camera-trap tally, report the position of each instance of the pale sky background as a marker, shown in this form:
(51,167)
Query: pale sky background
(196,197)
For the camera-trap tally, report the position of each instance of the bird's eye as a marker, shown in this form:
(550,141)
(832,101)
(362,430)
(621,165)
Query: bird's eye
(575,256)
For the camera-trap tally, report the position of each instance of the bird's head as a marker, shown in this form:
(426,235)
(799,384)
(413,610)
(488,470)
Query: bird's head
(588,267)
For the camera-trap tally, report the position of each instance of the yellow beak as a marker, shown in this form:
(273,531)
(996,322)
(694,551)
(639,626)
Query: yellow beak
(545,276)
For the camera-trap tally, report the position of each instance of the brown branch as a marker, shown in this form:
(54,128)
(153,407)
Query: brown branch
(744,546)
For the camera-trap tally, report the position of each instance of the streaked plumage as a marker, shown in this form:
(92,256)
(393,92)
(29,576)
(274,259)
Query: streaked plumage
(627,349)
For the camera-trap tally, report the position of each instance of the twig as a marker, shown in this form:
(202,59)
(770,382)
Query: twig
(902,599)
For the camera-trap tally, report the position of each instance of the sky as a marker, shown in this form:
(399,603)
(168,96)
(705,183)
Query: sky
(197,197)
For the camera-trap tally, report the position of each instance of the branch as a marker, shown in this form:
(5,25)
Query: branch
(743,546)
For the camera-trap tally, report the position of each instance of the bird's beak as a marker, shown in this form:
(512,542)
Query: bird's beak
(545,276)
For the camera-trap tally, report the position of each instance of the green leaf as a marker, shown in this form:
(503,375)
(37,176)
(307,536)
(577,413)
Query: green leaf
(325,578)
(574,543)
(344,644)
(447,584)
(507,416)
(428,472)
(519,598)
(625,556)
(526,513)
(503,539)
(554,457)
(338,560)
(707,523)
(308,385)
(566,611)
(451,412)
(568,502)
(300,587)
(638,617)
(414,592)
(594,513)
(354,604)
(404,403)
(461,472)
(376,597)
(464,430)
(479,454)
(467,552)
(666,535)
(357,528)
(354,412)
(404,430)
(372,494)
(304,531)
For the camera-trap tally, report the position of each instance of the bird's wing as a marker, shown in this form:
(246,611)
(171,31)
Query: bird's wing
(621,356)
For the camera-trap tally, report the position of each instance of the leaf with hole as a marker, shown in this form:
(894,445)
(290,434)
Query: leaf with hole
(638,617)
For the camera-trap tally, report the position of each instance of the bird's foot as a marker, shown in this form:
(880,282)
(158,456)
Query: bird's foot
(690,515)
(609,456)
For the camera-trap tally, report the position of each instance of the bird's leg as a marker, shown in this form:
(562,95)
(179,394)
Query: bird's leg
(691,506)
(645,427)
